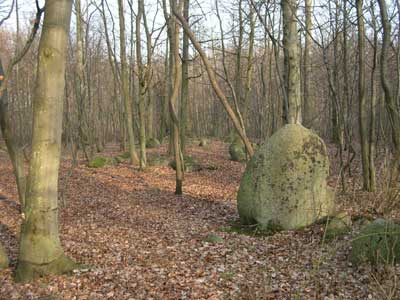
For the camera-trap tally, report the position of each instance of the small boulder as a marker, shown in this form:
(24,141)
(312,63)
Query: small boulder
(338,225)
(153,143)
(378,242)
(97,162)
(237,150)
(203,143)
(285,182)
(3,258)
(191,164)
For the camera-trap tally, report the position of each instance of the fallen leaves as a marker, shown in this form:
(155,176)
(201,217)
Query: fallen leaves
(140,241)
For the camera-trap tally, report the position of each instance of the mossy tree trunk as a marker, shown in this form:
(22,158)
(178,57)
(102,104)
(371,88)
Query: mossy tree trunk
(40,251)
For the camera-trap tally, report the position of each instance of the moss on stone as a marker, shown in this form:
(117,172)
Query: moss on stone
(125,155)
(159,160)
(377,243)
(285,182)
(152,143)
(3,258)
(237,150)
(337,225)
(97,162)
(191,164)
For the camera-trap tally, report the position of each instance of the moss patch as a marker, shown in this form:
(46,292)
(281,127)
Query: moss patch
(377,243)
(152,143)
(213,239)
(97,162)
(237,150)
(252,229)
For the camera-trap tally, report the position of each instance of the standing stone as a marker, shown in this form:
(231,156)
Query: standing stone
(285,182)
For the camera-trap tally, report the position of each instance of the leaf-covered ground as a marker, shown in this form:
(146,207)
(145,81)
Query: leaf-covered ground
(143,242)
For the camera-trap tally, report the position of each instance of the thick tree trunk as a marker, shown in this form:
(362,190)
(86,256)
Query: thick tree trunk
(41,252)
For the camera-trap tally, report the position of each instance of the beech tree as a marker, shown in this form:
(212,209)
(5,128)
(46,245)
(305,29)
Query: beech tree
(40,251)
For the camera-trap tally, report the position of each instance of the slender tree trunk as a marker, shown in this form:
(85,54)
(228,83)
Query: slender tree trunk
(13,149)
(309,104)
(292,60)
(41,252)
(363,111)
(372,121)
(185,79)
(142,88)
(389,99)
(125,86)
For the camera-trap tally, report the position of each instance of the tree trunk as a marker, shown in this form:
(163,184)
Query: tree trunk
(142,88)
(13,149)
(362,118)
(309,104)
(125,86)
(292,60)
(185,79)
(41,252)
(389,99)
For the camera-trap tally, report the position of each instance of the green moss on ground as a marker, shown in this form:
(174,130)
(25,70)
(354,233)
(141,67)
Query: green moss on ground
(377,243)
(252,229)
(213,239)
(97,162)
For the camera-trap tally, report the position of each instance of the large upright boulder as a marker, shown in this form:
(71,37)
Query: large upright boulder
(285,182)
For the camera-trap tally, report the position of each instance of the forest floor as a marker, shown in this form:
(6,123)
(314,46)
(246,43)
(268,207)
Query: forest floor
(143,242)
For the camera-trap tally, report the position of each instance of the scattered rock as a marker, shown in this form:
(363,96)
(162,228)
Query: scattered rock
(97,162)
(191,164)
(285,182)
(153,143)
(338,225)
(203,143)
(237,150)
